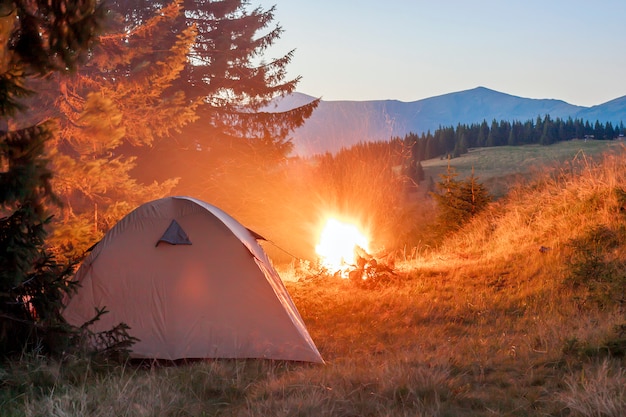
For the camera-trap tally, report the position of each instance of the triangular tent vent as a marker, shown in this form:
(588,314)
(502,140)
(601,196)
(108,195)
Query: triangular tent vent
(174,235)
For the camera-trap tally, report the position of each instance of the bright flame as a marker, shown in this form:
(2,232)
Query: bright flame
(337,244)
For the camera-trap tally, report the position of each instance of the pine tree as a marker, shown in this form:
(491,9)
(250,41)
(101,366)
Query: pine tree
(549,132)
(451,207)
(431,149)
(458,201)
(38,39)
(475,195)
(461,146)
(483,132)
(249,83)
(492,137)
(237,130)
(239,143)
(123,98)
(228,72)
(598,130)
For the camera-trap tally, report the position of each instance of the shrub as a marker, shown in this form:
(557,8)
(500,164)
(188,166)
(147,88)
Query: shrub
(592,268)
(459,201)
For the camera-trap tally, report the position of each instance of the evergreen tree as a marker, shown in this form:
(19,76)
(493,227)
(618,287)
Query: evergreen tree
(549,132)
(239,83)
(483,132)
(475,195)
(609,131)
(414,173)
(123,98)
(240,141)
(562,130)
(598,130)
(458,201)
(492,137)
(461,146)
(416,146)
(39,38)
(588,130)
(448,139)
(451,208)
(579,128)
(226,70)
(528,132)
(431,149)
(504,130)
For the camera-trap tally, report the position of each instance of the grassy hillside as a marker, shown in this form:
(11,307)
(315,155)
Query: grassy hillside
(519,314)
(501,166)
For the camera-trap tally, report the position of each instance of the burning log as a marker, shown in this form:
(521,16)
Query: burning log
(370,272)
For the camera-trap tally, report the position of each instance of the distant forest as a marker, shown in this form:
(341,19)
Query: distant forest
(544,131)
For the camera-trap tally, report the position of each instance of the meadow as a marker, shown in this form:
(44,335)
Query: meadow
(501,166)
(520,313)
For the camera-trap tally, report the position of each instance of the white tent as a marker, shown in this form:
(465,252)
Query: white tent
(191,282)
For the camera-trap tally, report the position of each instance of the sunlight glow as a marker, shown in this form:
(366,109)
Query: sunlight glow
(337,245)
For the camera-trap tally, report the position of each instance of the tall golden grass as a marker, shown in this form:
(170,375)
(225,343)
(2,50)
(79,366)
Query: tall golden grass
(487,324)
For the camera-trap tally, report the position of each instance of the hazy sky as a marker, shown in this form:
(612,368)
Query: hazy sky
(412,49)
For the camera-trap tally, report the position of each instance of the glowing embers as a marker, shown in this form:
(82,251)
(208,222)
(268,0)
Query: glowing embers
(339,246)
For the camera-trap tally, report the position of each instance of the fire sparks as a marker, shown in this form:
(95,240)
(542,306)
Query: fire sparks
(337,245)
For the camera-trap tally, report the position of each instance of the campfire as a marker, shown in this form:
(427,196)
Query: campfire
(337,245)
(343,250)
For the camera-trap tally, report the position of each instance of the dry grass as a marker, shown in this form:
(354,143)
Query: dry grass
(488,325)
(597,390)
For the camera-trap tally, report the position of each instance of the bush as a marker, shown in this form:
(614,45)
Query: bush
(459,201)
(593,268)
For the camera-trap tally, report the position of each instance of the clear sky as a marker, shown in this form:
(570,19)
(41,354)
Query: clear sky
(572,50)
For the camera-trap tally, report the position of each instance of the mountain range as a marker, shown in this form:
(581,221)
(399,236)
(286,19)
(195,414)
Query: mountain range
(342,124)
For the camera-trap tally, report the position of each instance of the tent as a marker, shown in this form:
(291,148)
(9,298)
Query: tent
(190,282)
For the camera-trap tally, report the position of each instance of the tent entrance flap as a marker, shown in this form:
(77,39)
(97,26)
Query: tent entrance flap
(174,235)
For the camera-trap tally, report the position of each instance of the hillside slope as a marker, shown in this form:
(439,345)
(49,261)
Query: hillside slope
(614,111)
